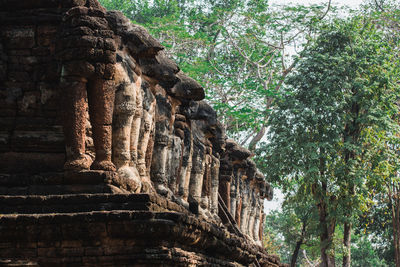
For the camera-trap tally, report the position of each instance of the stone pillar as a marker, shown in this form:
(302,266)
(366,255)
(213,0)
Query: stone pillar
(187,164)
(239,207)
(225,178)
(174,162)
(214,184)
(146,128)
(135,129)
(101,102)
(87,65)
(257,216)
(206,188)
(234,192)
(128,101)
(198,167)
(252,213)
(261,228)
(158,170)
(245,208)
(74,121)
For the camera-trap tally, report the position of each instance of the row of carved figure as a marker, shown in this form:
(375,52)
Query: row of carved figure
(148,121)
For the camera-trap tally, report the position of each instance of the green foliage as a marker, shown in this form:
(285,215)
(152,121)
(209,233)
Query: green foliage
(363,254)
(295,223)
(330,112)
(343,86)
(375,225)
(283,230)
(235,49)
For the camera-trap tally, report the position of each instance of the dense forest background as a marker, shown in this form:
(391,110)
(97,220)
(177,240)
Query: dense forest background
(313,92)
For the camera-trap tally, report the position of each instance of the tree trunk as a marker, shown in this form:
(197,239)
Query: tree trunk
(295,253)
(327,254)
(394,200)
(257,138)
(347,244)
(352,132)
(298,245)
(326,222)
(396,231)
(326,237)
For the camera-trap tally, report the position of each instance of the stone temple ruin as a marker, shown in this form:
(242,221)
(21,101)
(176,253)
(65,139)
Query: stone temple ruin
(108,154)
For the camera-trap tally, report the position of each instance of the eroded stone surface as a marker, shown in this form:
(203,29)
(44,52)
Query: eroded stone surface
(91,104)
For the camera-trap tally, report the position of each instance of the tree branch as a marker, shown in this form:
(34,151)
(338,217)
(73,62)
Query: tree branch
(257,138)
(247,138)
(379,6)
(327,10)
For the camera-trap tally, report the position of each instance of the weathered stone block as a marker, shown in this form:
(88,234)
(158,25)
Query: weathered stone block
(4,141)
(19,37)
(69,3)
(90,261)
(16,89)
(76,229)
(3,71)
(14,162)
(29,102)
(20,68)
(71,261)
(71,243)
(20,52)
(49,233)
(28,4)
(19,76)
(46,35)
(7,244)
(72,252)
(97,231)
(94,251)
(37,141)
(17,253)
(49,244)
(49,252)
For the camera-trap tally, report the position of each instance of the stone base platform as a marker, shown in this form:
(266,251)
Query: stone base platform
(58,183)
(115,230)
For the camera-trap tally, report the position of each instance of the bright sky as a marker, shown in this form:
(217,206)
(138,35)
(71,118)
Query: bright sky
(351,3)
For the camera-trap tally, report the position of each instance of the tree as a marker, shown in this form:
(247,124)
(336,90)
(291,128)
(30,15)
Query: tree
(384,145)
(332,115)
(385,163)
(364,254)
(375,225)
(316,143)
(296,225)
(238,50)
